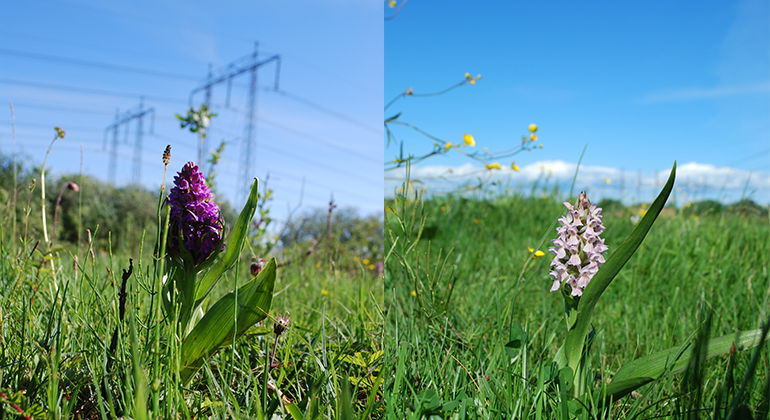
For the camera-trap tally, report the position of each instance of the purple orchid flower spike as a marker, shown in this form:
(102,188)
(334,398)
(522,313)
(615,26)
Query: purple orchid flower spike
(195,217)
(579,249)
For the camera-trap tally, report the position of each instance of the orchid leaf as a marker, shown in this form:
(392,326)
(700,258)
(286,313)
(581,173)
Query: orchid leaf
(234,245)
(222,322)
(576,337)
(649,368)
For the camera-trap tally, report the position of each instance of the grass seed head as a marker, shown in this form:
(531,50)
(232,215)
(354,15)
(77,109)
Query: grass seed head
(167,155)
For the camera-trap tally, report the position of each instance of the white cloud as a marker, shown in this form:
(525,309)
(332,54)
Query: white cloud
(694,180)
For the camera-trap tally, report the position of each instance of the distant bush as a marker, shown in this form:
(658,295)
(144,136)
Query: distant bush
(748,207)
(610,205)
(703,208)
(350,233)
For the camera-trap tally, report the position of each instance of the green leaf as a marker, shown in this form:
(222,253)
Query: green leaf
(649,368)
(294,411)
(575,340)
(234,245)
(517,337)
(393,118)
(217,327)
(345,402)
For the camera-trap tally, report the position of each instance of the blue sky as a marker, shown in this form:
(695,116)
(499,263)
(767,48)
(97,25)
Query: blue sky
(642,84)
(327,131)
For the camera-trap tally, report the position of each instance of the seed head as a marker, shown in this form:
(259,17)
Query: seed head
(73,186)
(194,215)
(167,155)
(578,249)
(281,324)
(257,266)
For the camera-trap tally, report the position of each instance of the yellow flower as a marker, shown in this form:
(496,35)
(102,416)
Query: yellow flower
(447,146)
(318,265)
(533,137)
(532,128)
(366,261)
(515,167)
(493,165)
(324,292)
(59,132)
(371,267)
(538,254)
(409,91)
(356,258)
(476,221)
(642,212)
(473,81)
(468,140)
(392,3)
(531,250)
(468,76)
(607,180)
(413,293)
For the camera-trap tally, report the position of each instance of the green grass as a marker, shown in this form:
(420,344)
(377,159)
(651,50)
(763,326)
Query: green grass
(56,327)
(460,284)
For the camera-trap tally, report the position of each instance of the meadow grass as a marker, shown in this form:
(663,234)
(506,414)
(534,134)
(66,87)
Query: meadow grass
(56,358)
(472,328)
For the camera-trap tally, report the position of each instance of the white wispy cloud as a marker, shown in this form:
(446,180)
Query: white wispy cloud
(700,93)
(694,180)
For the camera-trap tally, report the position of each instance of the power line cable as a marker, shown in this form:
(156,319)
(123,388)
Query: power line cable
(95,64)
(321,108)
(91,91)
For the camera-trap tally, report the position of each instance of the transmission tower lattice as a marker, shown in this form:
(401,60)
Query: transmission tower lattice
(124,121)
(249,64)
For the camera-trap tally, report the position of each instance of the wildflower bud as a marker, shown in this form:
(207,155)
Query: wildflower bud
(59,132)
(578,249)
(73,186)
(281,324)
(167,155)
(195,217)
(257,266)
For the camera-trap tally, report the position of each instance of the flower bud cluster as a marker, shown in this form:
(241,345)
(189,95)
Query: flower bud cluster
(194,215)
(579,249)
